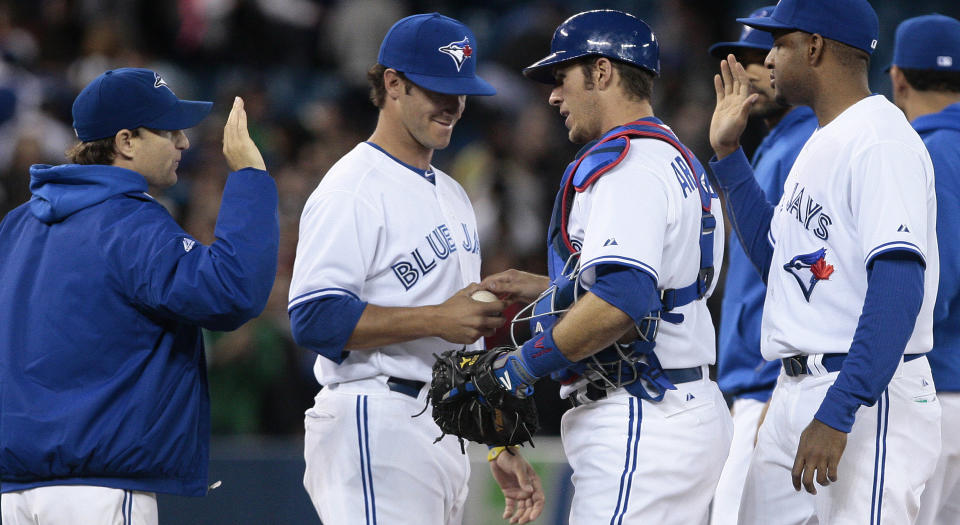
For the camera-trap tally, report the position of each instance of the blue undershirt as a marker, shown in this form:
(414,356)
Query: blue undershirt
(325,325)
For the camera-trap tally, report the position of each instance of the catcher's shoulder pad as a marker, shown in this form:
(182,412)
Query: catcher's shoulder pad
(601,159)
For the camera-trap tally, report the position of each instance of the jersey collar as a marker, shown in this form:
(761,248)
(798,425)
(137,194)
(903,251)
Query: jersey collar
(427,174)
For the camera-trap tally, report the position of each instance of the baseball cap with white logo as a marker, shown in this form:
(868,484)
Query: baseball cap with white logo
(435,52)
(129,98)
(852,22)
(928,43)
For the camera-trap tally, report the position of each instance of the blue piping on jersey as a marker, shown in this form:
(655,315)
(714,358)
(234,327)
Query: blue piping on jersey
(626,261)
(633,439)
(361,430)
(322,291)
(426,174)
(891,246)
(880,458)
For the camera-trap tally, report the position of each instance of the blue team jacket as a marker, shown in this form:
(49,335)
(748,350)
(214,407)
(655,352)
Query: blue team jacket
(941,134)
(741,370)
(102,297)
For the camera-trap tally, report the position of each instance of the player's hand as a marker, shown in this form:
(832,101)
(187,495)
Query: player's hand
(462,320)
(734,100)
(514,286)
(522,491)
(238,147)
(819,451)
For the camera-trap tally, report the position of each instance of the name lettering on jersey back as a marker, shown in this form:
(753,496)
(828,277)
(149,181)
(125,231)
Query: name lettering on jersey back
(805,210)
(423,261)
(688,183)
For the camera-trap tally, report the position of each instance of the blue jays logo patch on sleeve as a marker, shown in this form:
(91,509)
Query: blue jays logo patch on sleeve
(809,269)
(459,51)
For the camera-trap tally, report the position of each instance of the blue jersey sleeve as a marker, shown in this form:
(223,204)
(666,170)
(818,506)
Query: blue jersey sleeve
(893,299)
(631,290)
(165,272)
(325,325)
(747,208)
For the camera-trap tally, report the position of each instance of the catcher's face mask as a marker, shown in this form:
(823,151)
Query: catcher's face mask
(612,367)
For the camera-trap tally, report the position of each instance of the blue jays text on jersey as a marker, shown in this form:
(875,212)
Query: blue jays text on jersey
(806,210)
(442,244)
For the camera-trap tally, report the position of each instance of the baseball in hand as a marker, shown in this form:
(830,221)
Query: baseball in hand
(483,296)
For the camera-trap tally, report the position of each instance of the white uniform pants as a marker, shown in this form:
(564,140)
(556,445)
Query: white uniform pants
(890,453)
(369,462)
(76,504)
(635,461)
(940,503)
(726,502)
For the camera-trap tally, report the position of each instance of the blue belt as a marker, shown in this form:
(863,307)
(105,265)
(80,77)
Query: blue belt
(408,387)
(797,365)
(675,375)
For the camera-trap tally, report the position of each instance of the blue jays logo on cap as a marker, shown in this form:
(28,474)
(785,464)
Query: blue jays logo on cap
(418,47)
(809,269)
(158,81)
(459,51)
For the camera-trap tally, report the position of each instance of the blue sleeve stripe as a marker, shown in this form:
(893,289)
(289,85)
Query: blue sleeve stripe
(773,241)
(625,261)
(892,247)
(310,296)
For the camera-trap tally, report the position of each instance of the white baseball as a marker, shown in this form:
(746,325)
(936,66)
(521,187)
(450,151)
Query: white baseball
(483,296)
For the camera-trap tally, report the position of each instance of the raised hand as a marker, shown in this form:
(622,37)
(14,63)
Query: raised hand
(734,99)
(238,147)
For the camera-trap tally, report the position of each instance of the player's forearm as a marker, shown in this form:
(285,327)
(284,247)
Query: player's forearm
(385,325)
(893,300)
(747,208)
(590,326)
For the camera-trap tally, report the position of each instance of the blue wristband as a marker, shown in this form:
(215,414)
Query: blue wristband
(540,355)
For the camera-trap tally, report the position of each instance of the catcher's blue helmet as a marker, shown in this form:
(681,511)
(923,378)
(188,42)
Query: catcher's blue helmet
(612,34)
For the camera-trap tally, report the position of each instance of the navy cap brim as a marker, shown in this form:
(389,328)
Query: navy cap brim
(764,23)
(542,70)
(722,49)
(453,85)
(185,114)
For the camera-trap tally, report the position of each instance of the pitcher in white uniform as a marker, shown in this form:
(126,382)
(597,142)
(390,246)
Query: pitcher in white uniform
(387,259)
(850,258)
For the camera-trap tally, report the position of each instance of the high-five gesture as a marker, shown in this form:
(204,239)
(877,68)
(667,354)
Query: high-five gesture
(238,147)
(734,99)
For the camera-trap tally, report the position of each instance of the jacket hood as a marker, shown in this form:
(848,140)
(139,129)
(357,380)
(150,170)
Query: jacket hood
(949,118)
(60,191)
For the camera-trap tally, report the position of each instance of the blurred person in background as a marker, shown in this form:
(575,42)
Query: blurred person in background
(926,85)
(104,399)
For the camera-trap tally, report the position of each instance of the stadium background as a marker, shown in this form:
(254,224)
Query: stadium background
(300,66)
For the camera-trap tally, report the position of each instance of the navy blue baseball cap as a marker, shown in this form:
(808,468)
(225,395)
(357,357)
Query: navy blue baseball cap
(435,52)
(130,98)
(929,43)
(852,22)
(750,38)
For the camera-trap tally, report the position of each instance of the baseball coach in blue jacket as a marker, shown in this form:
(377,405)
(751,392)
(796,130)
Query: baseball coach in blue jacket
(103,388)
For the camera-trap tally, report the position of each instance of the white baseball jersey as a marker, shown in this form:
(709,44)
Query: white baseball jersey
(380,231)
(645,213)
(861,186)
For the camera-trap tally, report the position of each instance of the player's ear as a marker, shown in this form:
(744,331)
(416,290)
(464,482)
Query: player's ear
(602,72)
(123,143)
(393,83)
(899,82)
(816,47)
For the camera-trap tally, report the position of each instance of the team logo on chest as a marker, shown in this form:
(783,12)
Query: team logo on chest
(809,269)
(459,51)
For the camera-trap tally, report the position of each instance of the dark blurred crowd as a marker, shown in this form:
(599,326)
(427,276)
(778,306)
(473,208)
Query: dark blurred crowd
(300,66)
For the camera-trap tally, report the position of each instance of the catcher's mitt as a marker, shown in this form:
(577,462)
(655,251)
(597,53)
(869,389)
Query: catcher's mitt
(470,403)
